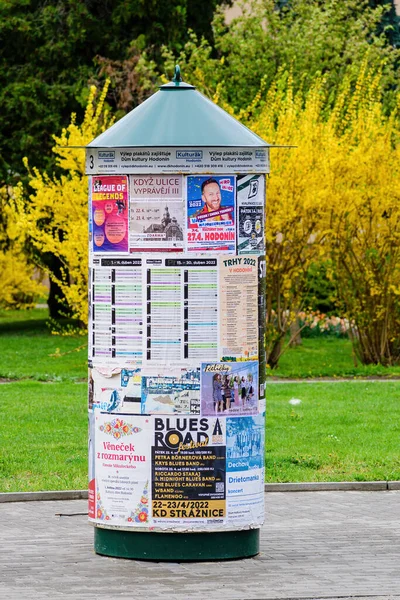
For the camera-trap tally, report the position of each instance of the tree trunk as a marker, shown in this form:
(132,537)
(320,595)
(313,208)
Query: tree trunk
(274,355)
(295,335)
(58,308)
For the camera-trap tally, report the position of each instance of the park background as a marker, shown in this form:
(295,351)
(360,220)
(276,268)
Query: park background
(320,76)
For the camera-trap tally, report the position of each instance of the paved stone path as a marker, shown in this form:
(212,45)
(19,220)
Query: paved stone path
(314,545)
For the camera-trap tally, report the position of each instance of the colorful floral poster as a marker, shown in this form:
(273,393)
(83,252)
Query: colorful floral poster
(122,469)
(109,213)
(211,214)
(91,466)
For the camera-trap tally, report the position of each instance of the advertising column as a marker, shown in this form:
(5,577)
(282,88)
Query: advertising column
(176,347)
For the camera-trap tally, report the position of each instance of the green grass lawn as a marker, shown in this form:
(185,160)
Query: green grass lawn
(43,432)
(28,349)
(344,431)
(341,431)
(326,357)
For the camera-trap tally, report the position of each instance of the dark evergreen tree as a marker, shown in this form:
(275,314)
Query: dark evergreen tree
(390,22)
(48,53)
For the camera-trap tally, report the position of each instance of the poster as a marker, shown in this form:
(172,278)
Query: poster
(250,214)
(109,219)
(245,469)
(176,398)
(116,311)
(181,309)
(116,390)
(122,476)
(262,316)
(238,299)
(156,215)
(173,393)
(157,310)
(211,214)
(90,214)
(188,471)
(91,465)
(229,388)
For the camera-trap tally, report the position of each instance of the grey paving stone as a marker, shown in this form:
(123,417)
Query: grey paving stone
(322,545)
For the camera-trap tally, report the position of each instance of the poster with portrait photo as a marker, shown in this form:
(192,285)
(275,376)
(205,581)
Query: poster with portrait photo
(211,214)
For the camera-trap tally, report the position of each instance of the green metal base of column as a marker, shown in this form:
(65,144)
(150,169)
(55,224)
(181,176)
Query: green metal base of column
(177,547)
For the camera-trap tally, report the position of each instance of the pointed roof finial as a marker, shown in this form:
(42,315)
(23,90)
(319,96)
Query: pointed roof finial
(177,75)
(177,83)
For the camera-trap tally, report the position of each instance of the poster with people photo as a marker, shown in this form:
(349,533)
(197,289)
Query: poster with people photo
(211,214)
(245,443)
(229,388)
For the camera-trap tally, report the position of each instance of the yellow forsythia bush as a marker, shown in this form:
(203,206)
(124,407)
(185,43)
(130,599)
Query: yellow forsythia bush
(19,289)
(335,196)
(55,215)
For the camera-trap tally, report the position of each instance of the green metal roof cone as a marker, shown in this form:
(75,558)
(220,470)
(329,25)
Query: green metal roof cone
(177,115)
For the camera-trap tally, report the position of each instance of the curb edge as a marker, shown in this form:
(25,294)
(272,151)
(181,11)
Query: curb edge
(36,496)
(334,486)
(323,486)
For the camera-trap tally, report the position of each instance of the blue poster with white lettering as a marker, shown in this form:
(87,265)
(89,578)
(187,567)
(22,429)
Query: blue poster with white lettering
(245,443)
(245,469)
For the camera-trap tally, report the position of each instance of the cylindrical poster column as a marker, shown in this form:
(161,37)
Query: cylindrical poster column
(176,348)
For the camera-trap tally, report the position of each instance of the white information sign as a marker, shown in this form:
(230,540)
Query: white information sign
(176,160)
